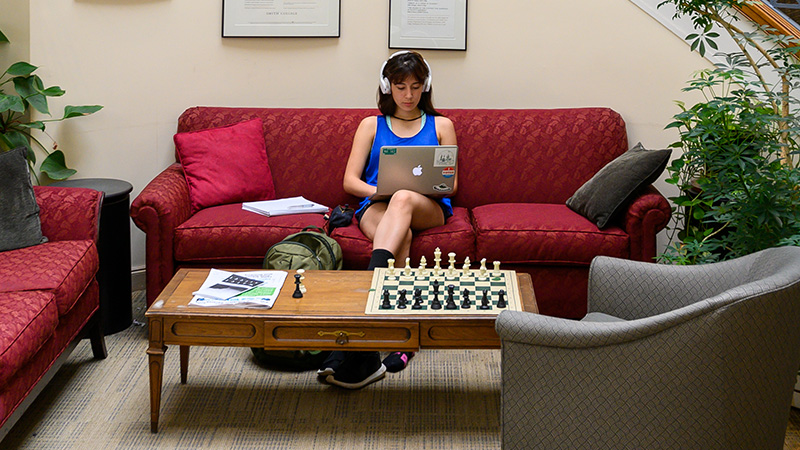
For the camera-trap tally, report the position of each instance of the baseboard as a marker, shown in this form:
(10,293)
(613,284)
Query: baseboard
(138,282)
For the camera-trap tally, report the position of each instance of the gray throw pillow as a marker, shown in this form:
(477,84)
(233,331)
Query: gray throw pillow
(19,212)
(600,198)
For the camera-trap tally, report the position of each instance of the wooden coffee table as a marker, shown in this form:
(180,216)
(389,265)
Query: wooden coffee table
(330,316)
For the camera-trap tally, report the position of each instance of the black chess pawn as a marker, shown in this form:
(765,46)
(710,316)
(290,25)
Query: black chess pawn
(465,303)
(435,303)
(501,299)
(297,292)
(485,300)
(402,301)
(386,303)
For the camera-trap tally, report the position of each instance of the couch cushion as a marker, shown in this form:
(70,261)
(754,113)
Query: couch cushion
(602,197)
(228,234)
(29,320)
(226,164)
(65,267)
(546,234)
(19,212)
(456,236)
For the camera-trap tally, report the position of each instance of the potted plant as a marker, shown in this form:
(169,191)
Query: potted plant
(737,172)
(21,93)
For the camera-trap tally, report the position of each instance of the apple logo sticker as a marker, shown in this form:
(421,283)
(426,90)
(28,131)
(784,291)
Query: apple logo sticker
(417,171)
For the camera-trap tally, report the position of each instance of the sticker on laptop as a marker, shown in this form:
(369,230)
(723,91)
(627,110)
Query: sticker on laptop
(442,188)
(448,172)
(444,157)
(389,151)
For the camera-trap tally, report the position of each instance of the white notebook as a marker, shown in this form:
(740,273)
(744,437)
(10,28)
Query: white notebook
(284,206)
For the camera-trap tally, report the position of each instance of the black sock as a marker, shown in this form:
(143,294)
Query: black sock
(380,258)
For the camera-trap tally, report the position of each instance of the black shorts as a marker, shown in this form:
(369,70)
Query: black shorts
(360,214)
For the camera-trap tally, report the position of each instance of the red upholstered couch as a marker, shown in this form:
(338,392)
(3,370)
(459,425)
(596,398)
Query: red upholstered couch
(516,170)
(49,297)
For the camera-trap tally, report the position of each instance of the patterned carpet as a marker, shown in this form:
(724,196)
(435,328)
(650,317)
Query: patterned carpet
(444,400)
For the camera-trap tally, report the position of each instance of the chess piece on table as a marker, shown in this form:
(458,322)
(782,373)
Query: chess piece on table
(466,270)
(386,304)
(422,264)
(501,299)
(436,303)
(437,259)
(302,273)
(297,293)
(485,300)
(483,270)
(407,269)
(496,272)
(465,303)
(451,271)
(390,270)
(402,301)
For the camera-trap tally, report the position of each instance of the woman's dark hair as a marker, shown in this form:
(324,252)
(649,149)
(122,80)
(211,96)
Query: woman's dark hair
(396,71)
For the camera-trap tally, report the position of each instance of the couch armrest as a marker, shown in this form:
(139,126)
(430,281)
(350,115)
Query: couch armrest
(161,206)
(647,214)
(69,214)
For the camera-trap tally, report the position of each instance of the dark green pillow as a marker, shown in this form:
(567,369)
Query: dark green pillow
(19,212)
(601,198)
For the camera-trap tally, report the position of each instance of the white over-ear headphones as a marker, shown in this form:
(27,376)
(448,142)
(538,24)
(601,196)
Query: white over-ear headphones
(386,86)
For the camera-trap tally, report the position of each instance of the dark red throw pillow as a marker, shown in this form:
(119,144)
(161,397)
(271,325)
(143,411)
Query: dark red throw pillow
(226,165)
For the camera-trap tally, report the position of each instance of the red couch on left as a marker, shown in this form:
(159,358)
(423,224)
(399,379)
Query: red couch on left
(49,298)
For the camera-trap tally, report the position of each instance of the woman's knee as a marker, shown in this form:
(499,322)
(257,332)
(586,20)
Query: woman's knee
(403,200)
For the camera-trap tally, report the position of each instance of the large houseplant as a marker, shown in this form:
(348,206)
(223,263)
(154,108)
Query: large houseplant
(22,92)
(737,173)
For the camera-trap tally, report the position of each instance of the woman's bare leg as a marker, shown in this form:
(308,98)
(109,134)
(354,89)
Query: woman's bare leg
(389,225)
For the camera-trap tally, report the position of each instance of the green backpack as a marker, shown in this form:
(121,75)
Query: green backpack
(310,250)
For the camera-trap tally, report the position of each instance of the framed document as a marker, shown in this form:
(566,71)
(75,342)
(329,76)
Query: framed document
(280,18)
(428,24)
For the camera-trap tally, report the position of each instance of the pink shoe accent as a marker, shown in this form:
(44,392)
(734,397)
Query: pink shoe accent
(404,357)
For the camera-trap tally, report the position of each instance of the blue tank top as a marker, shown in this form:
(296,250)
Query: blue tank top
(385,136)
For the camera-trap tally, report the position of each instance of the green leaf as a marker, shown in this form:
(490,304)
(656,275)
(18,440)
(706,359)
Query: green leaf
(76,111)
(21,69)
(55,166)
(39,125)
(11,102)
(28,88)
(53,91)
(18,139)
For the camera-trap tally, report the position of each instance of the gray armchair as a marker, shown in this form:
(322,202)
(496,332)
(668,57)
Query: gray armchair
(669,357)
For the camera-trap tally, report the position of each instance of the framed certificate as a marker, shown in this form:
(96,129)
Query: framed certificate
(428,24)
(280,18)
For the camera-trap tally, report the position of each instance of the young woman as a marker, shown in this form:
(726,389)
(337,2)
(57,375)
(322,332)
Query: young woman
(409,118)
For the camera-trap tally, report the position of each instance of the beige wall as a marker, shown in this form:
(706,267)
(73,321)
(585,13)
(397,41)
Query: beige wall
(148,60)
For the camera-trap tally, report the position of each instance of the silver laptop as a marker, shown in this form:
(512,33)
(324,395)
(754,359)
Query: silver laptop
(427,169)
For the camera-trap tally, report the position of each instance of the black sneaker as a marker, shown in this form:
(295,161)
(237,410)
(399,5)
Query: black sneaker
(331,364)
(358,369)
(397,361)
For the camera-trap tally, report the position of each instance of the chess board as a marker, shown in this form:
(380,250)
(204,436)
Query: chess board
(493,283)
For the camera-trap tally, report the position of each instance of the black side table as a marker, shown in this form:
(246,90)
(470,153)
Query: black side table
(114,247)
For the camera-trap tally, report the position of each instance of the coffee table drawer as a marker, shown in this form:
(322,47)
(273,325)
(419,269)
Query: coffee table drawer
(342,335)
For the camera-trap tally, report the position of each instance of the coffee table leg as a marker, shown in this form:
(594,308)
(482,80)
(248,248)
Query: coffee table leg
(156,367)
(184,363)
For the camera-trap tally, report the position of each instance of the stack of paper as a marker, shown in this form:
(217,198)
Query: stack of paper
(284,206)
(256,289)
